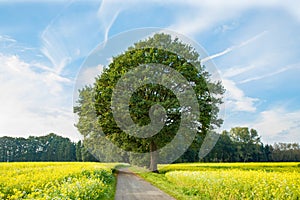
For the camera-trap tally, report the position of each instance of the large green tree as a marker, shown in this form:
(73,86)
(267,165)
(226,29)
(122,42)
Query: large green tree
(147,100)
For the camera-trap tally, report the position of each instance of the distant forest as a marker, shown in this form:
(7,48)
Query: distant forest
(232,148)
(45,148)
(238,145)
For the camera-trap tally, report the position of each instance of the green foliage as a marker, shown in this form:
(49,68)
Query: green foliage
(282,152)
(45,148)
(159,180)
(248,142)
(242,144)
(78,151)
(159,49)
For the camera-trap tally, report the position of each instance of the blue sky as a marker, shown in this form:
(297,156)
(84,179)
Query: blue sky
(254,45)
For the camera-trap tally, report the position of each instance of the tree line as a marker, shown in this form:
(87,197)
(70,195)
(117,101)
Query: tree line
(44,148)
(240,144)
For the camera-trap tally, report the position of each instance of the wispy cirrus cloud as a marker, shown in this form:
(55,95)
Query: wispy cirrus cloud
(267,75)
(199,16)
(236,99)
(235,71)
(72,34)
(6,38)
(39,82)
(37,90)
(234,47)
(108,12)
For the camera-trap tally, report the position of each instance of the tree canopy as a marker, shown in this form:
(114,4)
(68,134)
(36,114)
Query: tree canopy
(44,148)
(50,147)
(147,94)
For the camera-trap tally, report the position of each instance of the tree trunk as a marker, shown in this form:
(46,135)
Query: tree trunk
(153,157)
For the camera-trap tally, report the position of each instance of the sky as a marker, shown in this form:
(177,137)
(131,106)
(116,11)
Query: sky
(253,44)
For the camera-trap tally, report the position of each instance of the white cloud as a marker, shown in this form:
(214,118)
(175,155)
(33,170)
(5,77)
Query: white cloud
(201,15)
(236,100)
(33,103)
(226,27)
(10,45)
(280,70)
(87,75)
(234,71)
(71,36)
(198,16)
(37,101)
(6,38)
(278,125)
(241,70)
(229,49)
(108,13)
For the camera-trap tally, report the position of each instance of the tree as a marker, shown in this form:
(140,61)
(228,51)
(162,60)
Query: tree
(224,150)
(87,156)
(248,143)
(147,100)
(89,127)
(78,151)
(268,149)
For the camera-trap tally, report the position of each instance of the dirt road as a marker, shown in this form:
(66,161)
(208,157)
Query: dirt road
(131,187)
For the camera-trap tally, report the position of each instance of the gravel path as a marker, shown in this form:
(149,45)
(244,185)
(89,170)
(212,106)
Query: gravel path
(131,187)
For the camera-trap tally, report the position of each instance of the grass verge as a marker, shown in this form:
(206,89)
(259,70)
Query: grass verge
(159,180)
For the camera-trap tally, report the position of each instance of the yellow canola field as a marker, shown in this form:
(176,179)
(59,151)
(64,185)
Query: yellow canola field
(237,184)
(48,180)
